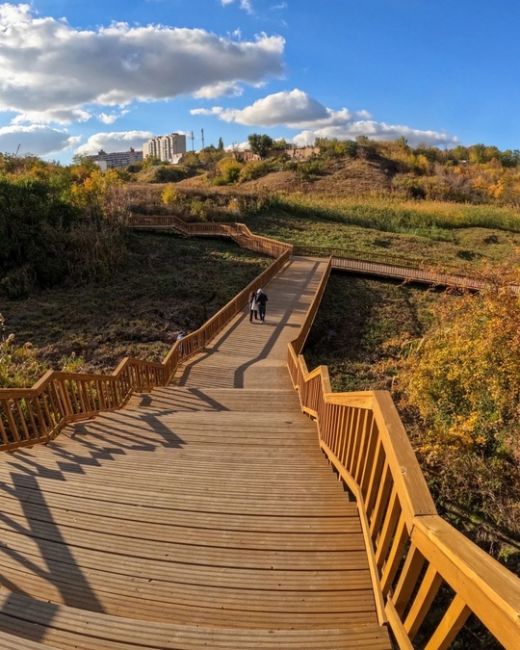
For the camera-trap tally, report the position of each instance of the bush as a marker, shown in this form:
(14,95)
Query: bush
(50,233)
(170,174)
(311,169)
(463,379)
(255,169)
(169,196)
(228,171)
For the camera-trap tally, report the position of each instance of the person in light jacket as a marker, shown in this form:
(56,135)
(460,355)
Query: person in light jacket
(253,307)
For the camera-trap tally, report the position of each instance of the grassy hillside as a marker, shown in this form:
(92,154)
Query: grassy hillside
(432,234)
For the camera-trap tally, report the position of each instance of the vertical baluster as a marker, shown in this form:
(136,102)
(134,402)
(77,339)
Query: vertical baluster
(3,432)
(21,419)
(372,477)
(46,411)
(389,524)
(346,432)
(40,415)
(73,392)
(353,437)
(452,622)
(394,556)
(81,396)
(13,429)
(55,408)
(430,585)
(410,573)
(64,397)
(364,446)
(375,517)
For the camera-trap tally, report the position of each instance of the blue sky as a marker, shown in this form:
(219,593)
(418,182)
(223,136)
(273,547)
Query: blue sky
(437,72)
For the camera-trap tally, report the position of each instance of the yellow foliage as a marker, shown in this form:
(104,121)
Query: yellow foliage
(169,196)
(464,378)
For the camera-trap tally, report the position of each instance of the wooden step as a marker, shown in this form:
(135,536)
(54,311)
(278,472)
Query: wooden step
(66,628)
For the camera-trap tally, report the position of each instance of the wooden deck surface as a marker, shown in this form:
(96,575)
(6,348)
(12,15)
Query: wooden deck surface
(202,515)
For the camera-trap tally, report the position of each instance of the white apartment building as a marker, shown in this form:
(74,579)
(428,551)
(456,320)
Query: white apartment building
(166,147)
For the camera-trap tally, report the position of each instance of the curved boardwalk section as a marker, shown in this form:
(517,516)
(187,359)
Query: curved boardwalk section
(201,516)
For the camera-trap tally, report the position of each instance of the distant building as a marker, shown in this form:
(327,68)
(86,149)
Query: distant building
(168,148)
(106,160)
(302,153)
(245,155)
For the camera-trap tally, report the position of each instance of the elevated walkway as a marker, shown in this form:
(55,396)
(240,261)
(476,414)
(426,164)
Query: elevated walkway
(201,515)
(187,504)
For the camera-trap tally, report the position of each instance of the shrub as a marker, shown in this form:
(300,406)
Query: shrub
(256,169)
(463,379)
(170,174)
(228,171)
(169,196)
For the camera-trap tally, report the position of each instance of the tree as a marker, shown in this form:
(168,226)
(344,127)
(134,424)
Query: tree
(220,145)
(260,144)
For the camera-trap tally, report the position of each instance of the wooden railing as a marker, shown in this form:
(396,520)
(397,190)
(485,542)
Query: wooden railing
(33,415)
(397,268)
(239,232)
(412,551)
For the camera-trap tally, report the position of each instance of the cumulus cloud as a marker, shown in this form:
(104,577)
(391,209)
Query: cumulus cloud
(59,116)
(49,67)
(296,109)
(246,5)
(376,131)
(114,141)
(37,139)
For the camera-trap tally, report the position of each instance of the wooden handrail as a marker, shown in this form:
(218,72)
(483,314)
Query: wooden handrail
(412,550)
(37,414)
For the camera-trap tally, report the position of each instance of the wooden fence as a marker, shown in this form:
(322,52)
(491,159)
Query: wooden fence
(32,415)
(412,551)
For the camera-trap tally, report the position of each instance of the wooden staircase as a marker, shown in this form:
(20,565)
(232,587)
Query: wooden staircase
(191,504)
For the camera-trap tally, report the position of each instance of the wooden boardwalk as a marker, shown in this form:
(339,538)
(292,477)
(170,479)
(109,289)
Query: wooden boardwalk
(202,515)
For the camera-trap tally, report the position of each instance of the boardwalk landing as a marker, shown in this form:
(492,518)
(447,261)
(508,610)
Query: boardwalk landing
(203,515)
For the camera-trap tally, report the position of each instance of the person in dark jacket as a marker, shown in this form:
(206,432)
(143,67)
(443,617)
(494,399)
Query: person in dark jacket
(261,301)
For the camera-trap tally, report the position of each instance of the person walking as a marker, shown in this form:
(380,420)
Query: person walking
(261,301)
(253,307)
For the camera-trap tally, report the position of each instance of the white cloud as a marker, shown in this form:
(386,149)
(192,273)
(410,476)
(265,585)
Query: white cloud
(219,89)
(110,118)
(215,110)
(58,116)
(114,141)
(296,109)
(37,139)
(49,67)
(376,131)
(246,5)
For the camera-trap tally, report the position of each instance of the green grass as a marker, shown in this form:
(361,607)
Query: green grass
(168,284)
(467,248)
(395,215)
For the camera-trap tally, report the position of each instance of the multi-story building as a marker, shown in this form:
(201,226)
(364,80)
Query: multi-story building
(106,160)
(166,147)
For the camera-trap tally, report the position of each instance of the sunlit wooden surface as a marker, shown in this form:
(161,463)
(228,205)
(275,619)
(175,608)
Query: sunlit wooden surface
(202,515)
